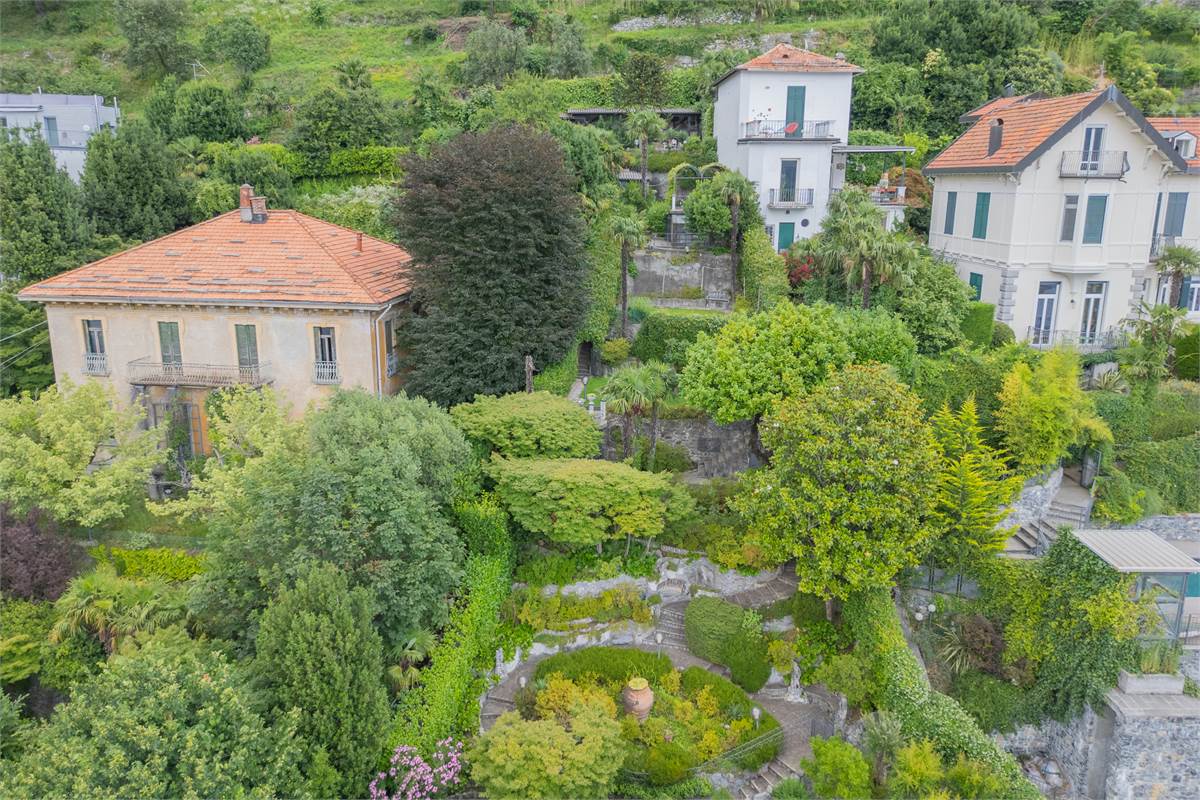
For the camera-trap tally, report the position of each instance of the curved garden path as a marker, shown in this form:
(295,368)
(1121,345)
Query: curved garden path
(796,719)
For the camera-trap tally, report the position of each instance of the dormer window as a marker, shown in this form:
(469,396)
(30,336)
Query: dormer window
(1185,145)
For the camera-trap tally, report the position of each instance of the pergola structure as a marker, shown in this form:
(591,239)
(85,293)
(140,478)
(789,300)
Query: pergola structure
(1160,567)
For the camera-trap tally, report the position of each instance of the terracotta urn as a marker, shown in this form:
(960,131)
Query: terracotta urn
(638,698)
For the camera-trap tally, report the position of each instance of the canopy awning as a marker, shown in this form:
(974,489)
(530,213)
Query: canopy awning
(1137,550)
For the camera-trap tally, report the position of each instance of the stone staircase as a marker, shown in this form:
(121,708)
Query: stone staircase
(780,587)
(766,779)
(670,625)
(1067,513)
(498,701)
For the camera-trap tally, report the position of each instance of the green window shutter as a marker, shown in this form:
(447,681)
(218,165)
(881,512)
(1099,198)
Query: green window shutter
(795,110)
(247,345)
(1176,209)
(168,342)
(1093,220)
(983,201)
(976,281)
(951,205)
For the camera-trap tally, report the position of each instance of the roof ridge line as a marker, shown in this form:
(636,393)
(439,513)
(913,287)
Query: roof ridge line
(303,218)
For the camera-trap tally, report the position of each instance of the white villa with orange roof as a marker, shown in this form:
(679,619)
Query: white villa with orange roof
(1053,209)
(253,297)
(782,119)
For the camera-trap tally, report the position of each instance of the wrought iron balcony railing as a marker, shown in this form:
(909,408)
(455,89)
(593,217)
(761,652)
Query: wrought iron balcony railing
(95,364)
(1107,339)
(148,372)
(1093,164)
(326,372)
(783,129)
(790,197)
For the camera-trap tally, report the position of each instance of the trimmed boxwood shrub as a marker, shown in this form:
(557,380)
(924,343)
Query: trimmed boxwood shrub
(609,663)
(666,333)
(524,425)
(978,325)
(667,763)
(720,632)
(905,692)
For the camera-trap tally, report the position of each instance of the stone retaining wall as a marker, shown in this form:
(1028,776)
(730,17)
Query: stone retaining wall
(671,273)
(680,573)
(1185,527)
(1034,500)
(718,451)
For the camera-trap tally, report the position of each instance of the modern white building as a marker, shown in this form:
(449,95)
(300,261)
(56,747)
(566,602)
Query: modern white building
(782,119)
(1179,222)
(66,122)
(1050,208)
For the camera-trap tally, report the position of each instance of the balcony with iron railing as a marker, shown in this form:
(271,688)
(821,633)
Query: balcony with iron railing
(790,197)
(326,372)
(784,129)
(1093,164)
(95,364)
(1107,339)
(1161,242)
(151,372)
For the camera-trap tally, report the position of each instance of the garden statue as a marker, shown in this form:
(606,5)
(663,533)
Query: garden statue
(795,694)
(638,698)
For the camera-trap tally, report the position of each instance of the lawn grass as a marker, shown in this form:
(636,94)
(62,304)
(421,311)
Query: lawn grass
(140,527)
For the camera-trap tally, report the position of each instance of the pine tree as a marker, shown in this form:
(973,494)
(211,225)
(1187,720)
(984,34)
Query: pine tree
(318,652)
(973,486)
(42,224)
(130,185)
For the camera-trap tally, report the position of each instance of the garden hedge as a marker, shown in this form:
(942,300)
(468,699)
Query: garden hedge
(763,271)
(666,333)
(557,378)
(446,702)
(378,160)
(484,526)
(719,631)
(523,425)
(979,323)
(905,692)
(617,664)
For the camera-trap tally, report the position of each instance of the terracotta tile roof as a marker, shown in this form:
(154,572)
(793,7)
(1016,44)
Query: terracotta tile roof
(1173,125)
(785,58)
(1028,123)
(289,258)
(997,103)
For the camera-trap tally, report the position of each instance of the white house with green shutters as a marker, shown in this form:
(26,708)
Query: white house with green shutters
(1050,208)
(782,120)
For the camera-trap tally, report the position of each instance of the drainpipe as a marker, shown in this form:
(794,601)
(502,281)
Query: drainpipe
(375,338)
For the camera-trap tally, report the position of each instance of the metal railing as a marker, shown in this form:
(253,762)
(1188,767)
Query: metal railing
(393,363)
(1162,242)
(1107,339)
(148,372)
(326,372)
(772,738)
(783,129)
(790,197)
(95,364)
(1093,164)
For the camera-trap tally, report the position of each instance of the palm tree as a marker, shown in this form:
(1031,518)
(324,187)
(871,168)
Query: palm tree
(405,656)
(854,242)
(352,74)
(662,384)
(1178,261)
(114,607)
(731,187)
(646,127)
(629,392)
(630,230)
(1148,359)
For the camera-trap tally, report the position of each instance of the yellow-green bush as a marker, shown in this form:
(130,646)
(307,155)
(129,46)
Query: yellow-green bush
(521,425)
(763,271)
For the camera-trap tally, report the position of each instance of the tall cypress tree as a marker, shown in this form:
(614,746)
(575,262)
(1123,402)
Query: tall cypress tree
(131,187)
(43,229)
(317,652)
(493,224)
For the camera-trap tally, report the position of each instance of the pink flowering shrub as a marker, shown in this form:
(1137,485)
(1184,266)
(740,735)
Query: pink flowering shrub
(411,777)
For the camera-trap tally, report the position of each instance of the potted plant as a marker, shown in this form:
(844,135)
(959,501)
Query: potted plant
(1158,671)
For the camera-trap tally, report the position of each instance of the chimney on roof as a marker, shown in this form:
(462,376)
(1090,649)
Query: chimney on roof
(258,209)
(244,196)
(1009,90)
(995,136)
(358,246)
(840,56)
